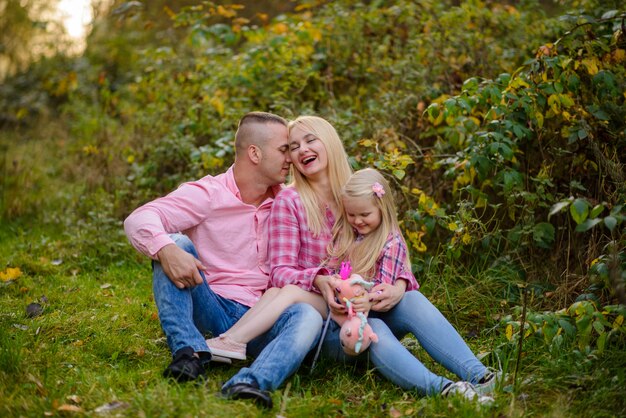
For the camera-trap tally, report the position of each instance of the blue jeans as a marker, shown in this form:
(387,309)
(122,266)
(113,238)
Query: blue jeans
(187,314)
(416,315)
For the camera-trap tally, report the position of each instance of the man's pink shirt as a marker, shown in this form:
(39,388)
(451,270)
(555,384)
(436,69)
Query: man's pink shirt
(231,237)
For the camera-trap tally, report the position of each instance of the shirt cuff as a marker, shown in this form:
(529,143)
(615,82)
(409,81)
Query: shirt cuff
(158,242)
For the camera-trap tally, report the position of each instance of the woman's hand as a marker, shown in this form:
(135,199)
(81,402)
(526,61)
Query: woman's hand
(385,296)
(325,284)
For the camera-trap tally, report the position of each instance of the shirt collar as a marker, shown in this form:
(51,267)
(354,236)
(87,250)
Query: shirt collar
(231,184)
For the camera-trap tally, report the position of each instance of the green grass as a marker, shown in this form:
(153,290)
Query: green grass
(99,341)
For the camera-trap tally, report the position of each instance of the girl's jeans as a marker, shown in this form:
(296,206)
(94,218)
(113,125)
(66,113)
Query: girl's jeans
(416,315)
(186,315)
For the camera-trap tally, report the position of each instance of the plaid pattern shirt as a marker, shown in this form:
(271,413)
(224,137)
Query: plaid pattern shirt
(296,254)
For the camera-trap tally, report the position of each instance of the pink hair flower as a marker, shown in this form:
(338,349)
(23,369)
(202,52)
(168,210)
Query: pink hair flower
(378,189)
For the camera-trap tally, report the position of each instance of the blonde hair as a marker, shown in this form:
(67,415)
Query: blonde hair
(364,254)
(338,170)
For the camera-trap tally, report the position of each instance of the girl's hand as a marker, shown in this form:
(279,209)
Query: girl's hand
(325,284)
(385,296)
(362,304)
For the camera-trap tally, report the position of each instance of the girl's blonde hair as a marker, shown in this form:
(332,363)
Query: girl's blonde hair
(338,170)
(363,255)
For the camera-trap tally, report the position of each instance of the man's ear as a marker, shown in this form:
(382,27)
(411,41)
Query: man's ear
(254,153)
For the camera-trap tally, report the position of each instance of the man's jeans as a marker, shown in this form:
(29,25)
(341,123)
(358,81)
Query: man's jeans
(186,315)
(416,315)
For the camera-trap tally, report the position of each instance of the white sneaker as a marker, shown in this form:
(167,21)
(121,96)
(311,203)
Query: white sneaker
(466,390)
(490,380)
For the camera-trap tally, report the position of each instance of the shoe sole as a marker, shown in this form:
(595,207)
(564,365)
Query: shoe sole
(220,359)
(229,354)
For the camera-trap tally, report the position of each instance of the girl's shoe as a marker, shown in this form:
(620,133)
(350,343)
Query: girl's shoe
(224,346)
(488,383)
(466,390)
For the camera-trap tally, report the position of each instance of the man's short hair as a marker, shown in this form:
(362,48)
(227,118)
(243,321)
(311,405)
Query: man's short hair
(246,134)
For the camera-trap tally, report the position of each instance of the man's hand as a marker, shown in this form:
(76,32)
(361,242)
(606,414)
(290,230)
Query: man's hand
(325,284)
(180,266)
(385,296)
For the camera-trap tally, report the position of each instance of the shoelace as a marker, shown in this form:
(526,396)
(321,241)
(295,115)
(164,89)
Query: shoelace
(319,345)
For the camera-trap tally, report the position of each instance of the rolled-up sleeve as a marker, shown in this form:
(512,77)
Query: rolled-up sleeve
(149,226)
(392,264)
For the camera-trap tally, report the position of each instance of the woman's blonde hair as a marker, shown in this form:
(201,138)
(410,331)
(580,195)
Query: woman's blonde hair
(366,184)
(338,170)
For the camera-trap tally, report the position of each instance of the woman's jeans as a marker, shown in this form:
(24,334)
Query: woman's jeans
(186,315)
(416,315)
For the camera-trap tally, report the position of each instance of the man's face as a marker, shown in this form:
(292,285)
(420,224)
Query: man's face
(275,159)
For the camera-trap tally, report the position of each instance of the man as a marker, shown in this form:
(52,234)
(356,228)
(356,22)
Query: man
(207,277)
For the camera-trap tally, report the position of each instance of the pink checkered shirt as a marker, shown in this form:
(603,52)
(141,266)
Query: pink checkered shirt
(295,254)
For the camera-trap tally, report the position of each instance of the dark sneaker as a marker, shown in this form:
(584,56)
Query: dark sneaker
(249,391)
(185,366)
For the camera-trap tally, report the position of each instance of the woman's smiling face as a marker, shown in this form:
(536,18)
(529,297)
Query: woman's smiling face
(308,153)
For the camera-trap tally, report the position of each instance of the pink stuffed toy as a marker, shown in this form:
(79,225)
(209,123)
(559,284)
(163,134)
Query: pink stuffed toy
(356,334)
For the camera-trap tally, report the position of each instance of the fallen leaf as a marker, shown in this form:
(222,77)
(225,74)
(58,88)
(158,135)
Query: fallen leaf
(10,274)
(33,310)
(56,262)
(393,412)
(106,286)
(74,398)
(69,408)
(42,390)
(111,406)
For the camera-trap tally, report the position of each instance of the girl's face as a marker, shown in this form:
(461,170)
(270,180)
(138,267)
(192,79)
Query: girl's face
(307,152)
(363,215)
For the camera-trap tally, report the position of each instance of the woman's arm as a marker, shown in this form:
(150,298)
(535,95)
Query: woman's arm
(385,296)
(286,242)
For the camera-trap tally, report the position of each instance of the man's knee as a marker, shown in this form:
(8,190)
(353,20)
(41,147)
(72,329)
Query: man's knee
(183,242)
(306,314)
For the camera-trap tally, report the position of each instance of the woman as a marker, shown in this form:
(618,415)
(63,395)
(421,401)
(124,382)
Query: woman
(301,229)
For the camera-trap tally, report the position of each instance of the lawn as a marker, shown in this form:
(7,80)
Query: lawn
(94,346)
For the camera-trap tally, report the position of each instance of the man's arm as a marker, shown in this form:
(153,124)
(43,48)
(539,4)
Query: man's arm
(149,226)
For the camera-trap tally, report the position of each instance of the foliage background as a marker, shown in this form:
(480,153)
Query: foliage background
(502,127)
